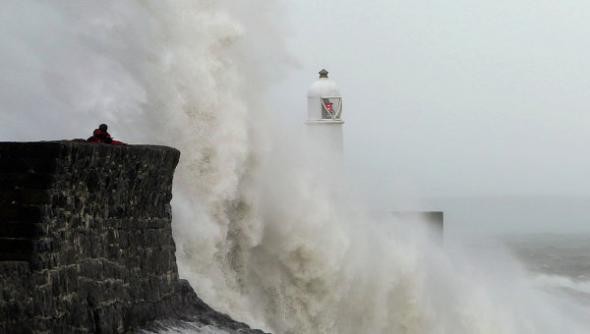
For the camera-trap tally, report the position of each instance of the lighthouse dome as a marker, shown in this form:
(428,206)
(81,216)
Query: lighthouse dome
(323,87)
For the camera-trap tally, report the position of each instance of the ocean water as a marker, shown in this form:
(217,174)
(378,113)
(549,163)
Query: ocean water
(557,263)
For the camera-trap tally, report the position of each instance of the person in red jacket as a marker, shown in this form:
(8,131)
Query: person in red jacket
(101,135)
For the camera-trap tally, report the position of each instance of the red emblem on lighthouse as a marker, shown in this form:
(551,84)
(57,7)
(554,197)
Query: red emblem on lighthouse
(327,109)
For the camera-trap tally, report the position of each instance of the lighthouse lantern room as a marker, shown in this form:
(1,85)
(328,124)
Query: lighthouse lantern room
(324,102)
(324,114)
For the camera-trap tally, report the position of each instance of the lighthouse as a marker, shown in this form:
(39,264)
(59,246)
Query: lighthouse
(324,117)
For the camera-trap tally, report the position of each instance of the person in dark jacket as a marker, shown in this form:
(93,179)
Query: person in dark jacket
(101,135)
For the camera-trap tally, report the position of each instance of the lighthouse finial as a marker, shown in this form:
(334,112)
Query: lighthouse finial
(323,73)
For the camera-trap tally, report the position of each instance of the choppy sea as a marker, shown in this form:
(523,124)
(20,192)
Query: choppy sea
(558,264)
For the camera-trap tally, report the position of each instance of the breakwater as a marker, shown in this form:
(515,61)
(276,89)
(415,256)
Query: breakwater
(86,243)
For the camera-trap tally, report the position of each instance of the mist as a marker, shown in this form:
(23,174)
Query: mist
(455,100)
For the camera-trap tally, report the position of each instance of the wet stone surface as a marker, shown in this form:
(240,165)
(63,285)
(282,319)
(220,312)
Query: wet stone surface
(86,242)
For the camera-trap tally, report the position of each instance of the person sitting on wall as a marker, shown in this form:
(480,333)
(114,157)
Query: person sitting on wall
(101,135)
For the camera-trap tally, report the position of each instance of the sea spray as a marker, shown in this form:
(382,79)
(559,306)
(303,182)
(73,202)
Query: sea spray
(303,259)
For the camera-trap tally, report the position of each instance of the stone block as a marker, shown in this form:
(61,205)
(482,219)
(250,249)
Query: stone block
(20,230)
(16,212)
(25,181)
(91,268)
(15,249)
(34,165)
(24,196)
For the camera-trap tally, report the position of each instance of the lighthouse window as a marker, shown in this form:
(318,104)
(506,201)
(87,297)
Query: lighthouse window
(329,109)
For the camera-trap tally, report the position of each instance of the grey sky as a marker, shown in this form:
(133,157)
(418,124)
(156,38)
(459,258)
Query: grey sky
(455,99)
(462,98)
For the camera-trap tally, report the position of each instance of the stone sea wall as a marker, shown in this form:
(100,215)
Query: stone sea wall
(86,242)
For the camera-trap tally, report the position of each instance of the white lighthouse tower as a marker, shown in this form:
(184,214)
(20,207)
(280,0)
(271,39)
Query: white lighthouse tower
(324,117)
